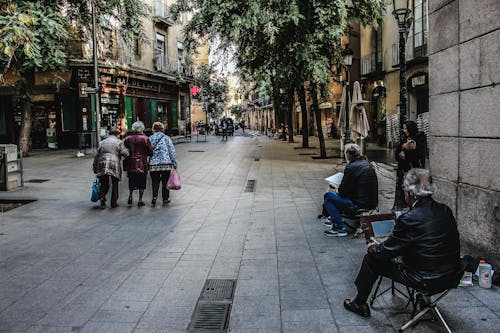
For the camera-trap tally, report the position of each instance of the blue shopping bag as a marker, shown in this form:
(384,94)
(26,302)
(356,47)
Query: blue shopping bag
(94,197)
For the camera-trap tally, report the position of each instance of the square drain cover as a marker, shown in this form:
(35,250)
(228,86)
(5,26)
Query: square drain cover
(218,290)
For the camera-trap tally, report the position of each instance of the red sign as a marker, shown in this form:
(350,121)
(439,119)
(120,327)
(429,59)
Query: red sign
(194,90)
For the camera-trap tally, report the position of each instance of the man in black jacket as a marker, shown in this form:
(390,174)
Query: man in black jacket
(425,240)
(358,189)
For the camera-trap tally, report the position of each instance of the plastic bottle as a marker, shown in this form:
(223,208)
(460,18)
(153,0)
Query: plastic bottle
(484,274)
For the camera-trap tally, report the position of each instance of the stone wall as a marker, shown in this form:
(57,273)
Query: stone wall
(464,72)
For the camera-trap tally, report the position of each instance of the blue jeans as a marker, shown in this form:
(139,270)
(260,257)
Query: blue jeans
(335,204)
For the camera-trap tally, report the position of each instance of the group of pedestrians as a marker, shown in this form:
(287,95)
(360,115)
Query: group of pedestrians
(141,154)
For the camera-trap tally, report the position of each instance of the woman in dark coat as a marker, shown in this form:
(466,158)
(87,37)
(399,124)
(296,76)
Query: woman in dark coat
(409,154)
(137,164)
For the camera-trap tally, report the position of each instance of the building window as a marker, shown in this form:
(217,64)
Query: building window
(160,52)
(378,50)
(420,27)
(160,8)
(109,44)
(180,56)
(138,48)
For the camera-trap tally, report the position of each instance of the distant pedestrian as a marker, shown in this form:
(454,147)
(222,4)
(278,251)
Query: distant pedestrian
(137,164)
(161,162)
(410,154)
(107,166)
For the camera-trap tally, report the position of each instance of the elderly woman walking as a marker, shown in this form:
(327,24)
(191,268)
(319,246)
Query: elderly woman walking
(137,164)
(107,166)
(161,163)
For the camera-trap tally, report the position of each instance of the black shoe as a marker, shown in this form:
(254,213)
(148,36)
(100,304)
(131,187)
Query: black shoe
(129,202)
(103,203)
(361,309)
(115,205)
(140,204)
(153,202)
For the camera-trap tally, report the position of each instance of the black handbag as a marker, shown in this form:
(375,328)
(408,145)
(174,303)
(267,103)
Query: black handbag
(126,163)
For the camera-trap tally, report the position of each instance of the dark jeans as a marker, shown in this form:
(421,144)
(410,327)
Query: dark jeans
(156,178)
(105,188)
(399,197)
(372,268)
(335,204)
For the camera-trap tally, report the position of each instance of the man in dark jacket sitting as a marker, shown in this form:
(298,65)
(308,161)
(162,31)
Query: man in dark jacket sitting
(425,240)
(358,189)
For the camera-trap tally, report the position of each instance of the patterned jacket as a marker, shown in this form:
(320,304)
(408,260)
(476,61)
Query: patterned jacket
(107,160)
(163,150)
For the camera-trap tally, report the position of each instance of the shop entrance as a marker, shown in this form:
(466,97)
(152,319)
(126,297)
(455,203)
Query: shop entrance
(44,124)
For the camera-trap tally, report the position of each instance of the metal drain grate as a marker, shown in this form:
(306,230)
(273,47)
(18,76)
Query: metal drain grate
(218,290)
(196,151)
(256,159)
(37,180)
(209,317)
(6,205)
(250,186)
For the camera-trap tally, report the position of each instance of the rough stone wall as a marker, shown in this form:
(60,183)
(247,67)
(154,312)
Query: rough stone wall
(464,72)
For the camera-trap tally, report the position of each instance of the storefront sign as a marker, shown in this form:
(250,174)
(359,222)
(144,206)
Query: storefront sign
(44,98)
(418,81)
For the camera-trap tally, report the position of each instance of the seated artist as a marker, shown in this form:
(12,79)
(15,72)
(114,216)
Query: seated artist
(358,190)
(425,239)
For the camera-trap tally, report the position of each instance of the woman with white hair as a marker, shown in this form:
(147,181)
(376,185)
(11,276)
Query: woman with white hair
(137,163)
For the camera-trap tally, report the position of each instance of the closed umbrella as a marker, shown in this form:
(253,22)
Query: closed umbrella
(342,119)
(358,119)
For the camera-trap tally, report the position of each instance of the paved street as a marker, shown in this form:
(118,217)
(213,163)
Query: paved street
(67,266)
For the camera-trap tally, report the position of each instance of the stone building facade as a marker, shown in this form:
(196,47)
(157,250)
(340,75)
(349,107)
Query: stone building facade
(464,71)
(146,80)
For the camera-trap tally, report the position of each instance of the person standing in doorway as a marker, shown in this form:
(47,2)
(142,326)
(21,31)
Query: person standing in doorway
(137,164)
(107,166)
(161,162)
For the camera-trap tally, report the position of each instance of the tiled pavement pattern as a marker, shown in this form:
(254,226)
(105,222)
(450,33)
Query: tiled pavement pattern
(66,266)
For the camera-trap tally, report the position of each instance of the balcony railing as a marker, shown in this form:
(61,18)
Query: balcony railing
(173,66)
(370,64)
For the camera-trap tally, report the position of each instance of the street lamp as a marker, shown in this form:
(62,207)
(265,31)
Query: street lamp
(347,55)
(402,13)
(96,76)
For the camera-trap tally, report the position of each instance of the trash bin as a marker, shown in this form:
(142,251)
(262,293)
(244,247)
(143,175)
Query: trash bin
(11,173)
(51,138)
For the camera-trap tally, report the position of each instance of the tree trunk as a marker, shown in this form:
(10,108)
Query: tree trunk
(317,112)
(290,113)
(25,90)
(303,107)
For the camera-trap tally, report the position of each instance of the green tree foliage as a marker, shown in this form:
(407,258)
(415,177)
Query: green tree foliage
(212,89)
(290,41)
(34,36)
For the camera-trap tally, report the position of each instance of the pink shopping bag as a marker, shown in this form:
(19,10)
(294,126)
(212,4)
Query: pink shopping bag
(174,181)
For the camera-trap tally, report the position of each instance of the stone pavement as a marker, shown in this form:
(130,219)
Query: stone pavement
(66,266)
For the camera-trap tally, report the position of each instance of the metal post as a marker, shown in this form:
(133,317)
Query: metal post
(347,135)
(402,79)
(96,76)
(347,132)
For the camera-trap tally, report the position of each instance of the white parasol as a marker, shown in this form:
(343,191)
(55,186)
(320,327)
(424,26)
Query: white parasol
(357,117)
